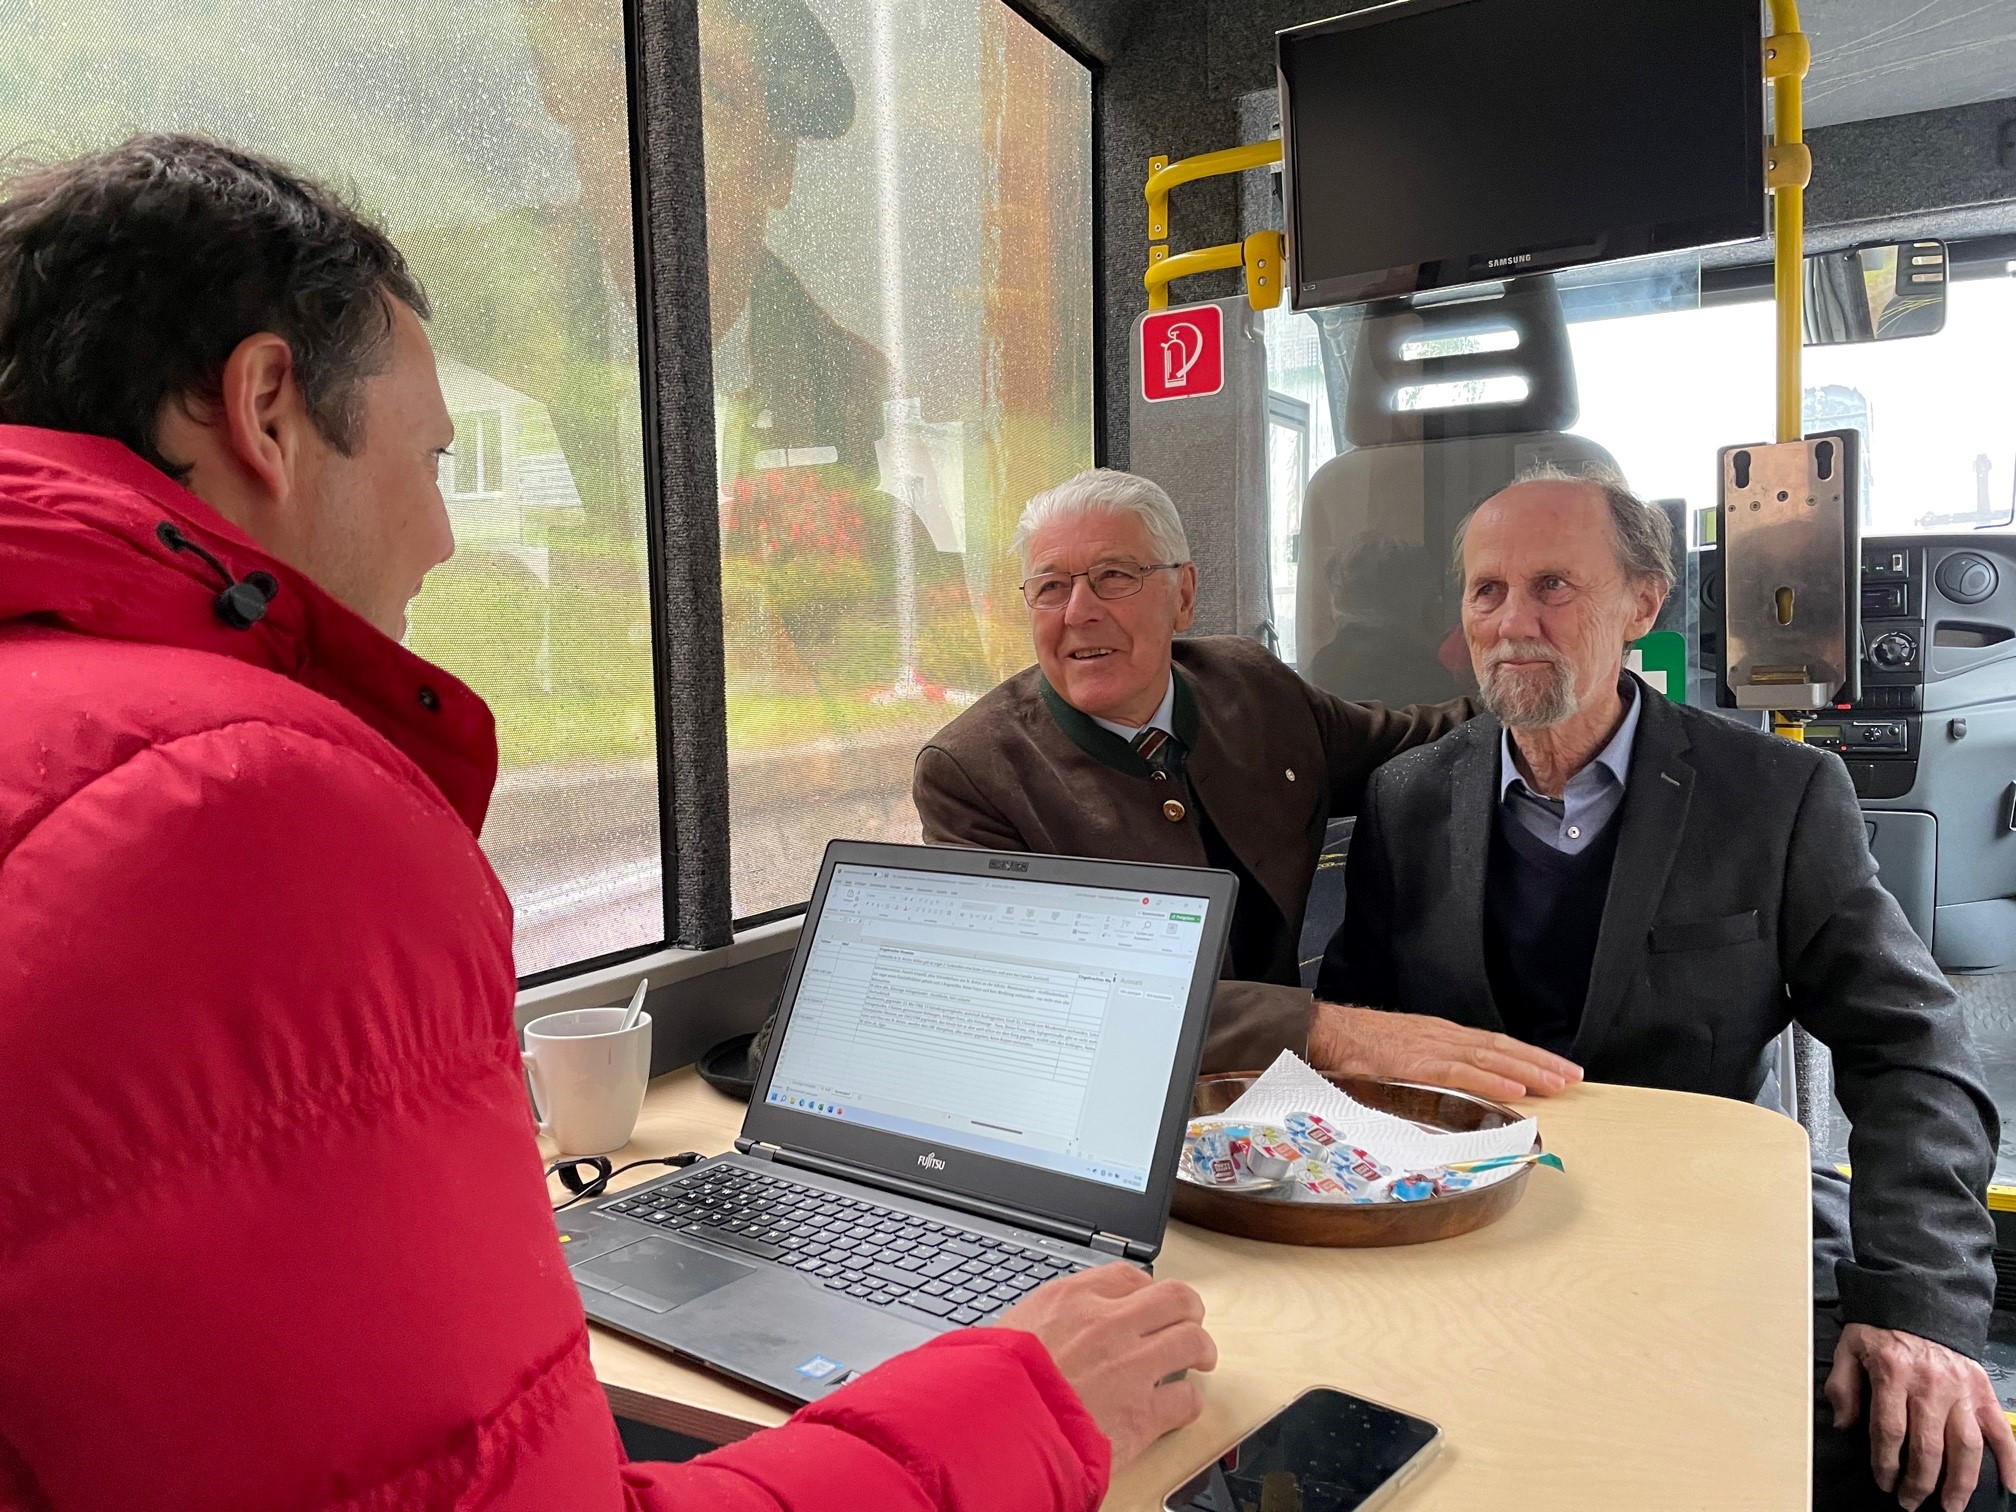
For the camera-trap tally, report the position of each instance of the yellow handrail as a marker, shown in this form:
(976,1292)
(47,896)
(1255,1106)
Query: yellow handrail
(1204,260)
(1789,166)
(1262,257)
(1204,165)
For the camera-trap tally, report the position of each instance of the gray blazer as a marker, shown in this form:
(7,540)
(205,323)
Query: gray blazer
(1743,897)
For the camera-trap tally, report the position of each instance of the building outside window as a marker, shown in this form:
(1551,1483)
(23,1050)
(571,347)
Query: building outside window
(476,466)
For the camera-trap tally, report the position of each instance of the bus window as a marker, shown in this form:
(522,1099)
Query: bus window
(489,138)
(899,228)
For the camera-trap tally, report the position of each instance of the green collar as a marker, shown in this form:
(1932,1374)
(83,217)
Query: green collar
(1103,745)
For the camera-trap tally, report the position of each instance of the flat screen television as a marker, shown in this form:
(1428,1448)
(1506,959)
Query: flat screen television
(1430,143)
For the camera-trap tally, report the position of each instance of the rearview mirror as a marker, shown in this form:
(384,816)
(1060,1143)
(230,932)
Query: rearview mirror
(1876,293)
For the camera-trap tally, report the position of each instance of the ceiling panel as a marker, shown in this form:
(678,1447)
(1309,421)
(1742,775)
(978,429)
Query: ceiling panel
(1890,57)
(1871,57)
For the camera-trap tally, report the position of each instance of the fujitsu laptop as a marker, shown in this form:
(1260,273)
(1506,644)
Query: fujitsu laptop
(978,1081)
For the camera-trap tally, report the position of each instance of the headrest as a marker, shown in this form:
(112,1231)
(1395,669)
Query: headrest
(1514,335)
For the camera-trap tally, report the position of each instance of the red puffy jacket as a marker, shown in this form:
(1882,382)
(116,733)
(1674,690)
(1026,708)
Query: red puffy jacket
(272,1228)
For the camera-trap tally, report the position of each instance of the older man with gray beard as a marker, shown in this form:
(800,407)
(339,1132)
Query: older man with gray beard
(1655,893)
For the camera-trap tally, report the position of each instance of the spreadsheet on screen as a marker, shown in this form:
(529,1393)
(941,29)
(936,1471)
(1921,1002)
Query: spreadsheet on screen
(1031,1021)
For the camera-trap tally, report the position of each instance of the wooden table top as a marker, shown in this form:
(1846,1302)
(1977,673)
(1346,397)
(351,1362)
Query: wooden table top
(1635,1334)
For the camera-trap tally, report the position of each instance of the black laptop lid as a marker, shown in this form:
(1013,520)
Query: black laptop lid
(1022,1030)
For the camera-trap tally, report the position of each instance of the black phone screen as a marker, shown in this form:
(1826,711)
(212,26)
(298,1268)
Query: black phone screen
(1324,1452)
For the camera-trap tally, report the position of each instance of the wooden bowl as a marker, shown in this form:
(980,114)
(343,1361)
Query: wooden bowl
(1279,1220)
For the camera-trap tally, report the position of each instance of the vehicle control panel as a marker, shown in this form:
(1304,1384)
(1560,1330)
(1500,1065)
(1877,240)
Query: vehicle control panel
(1930,739)
(1878,735)
(1914,591)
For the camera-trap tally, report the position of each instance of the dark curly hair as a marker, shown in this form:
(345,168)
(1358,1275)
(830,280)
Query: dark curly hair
(128,276)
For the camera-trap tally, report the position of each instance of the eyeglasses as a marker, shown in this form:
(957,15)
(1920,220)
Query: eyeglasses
(1108,580)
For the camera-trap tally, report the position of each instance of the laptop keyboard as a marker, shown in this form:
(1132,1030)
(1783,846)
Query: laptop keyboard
(860,1249)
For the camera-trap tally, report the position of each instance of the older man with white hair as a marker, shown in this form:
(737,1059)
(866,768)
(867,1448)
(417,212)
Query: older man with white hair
(1126,742)
(1656,892)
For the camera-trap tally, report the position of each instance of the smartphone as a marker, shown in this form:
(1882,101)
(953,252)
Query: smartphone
(1326,1451)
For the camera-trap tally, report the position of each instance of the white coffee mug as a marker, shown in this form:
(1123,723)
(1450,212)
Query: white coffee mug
(588,1075)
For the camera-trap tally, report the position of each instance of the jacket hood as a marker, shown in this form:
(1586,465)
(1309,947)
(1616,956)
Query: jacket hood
(79,550)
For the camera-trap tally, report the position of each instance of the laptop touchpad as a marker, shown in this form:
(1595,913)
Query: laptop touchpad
(659,1274)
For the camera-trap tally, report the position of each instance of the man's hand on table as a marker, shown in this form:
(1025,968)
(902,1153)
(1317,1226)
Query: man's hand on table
(1117,1335)
(1928,1406)
(1413,1047)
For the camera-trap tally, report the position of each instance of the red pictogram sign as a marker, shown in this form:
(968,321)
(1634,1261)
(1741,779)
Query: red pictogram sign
(1183,353)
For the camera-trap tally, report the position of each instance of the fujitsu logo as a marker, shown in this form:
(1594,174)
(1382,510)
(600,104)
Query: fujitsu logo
(931,1162)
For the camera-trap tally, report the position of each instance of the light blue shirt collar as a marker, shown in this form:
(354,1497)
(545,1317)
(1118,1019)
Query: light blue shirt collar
(1593,795)
(1164,717)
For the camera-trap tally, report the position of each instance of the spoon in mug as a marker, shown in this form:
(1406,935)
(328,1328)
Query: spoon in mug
(636,1005)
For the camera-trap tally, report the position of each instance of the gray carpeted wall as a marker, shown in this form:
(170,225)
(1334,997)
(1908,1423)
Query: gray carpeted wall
(678,353)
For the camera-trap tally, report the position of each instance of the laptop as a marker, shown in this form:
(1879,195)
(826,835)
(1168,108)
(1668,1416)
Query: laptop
(978,1081)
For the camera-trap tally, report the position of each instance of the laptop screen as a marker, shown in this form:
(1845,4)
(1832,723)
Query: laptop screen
(1036,1022)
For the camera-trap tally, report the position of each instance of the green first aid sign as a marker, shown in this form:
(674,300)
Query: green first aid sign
(1661,659)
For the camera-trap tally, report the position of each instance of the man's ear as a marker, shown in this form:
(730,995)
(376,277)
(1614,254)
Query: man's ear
(1186,595)
(1649,599)
(263,414)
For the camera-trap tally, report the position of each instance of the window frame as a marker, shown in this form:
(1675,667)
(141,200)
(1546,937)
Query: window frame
(1096,165)
(666,216)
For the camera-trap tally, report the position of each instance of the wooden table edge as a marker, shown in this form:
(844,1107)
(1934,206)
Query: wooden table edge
(714,1428)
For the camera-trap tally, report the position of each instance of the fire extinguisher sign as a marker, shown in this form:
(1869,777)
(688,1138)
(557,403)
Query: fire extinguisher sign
(1182,353)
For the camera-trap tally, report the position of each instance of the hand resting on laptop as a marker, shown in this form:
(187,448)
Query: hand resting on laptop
(1119,1337)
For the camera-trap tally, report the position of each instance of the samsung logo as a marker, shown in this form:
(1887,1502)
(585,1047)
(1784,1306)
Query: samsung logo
(931,1162)
(1014,866)
(1509,262)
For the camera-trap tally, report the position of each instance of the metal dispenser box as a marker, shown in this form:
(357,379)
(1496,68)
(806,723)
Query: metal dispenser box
(1790,537)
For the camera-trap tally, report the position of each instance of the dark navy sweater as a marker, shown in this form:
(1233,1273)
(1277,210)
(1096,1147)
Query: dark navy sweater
(1542,913)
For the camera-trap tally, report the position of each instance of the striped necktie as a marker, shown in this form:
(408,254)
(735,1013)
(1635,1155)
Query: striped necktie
(1162,751)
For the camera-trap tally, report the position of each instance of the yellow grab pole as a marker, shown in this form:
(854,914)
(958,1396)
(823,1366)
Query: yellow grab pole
(1788,167)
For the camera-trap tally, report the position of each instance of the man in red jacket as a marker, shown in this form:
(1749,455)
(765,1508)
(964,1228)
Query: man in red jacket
(272,1228)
